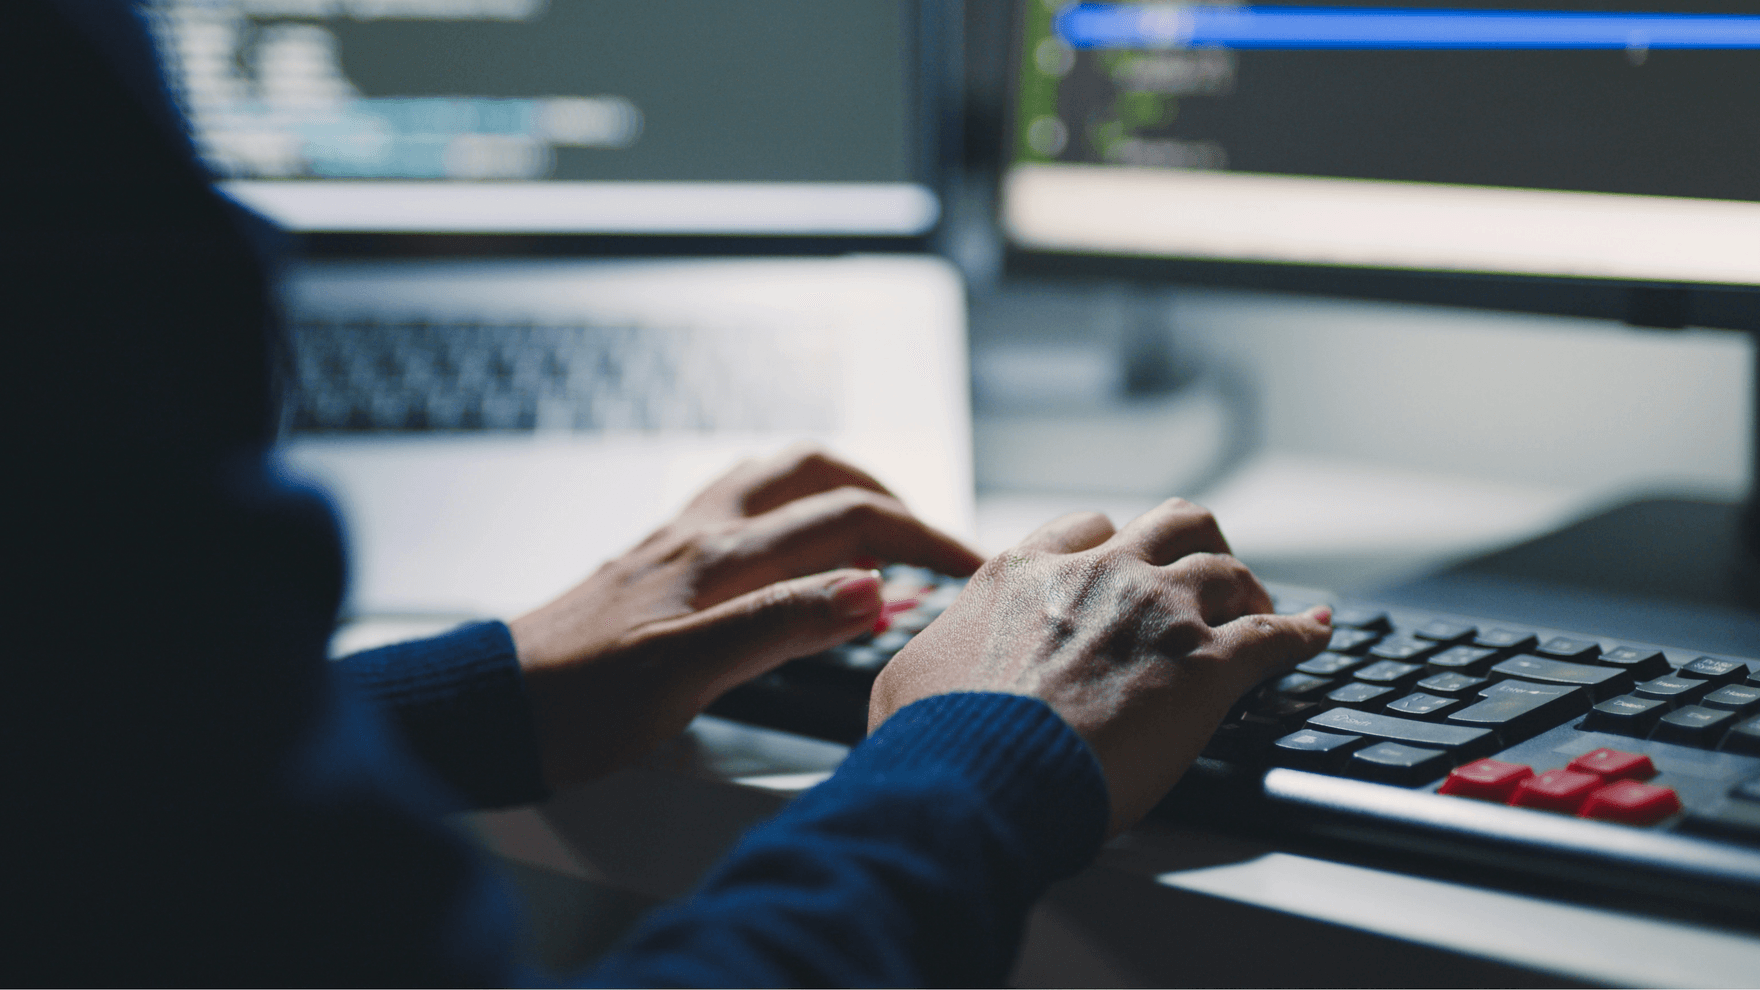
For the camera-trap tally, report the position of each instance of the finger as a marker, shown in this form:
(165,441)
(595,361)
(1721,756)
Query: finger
(1070,533)
(828,530)
(1262,645)
(796,472)
(1171,530)
(1224,587)
(746,636)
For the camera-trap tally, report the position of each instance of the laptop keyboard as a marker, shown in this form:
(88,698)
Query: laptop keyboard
(363,375)
(1636,764)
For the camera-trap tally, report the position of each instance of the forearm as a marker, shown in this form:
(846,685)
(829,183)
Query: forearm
(459,700)
(915,864)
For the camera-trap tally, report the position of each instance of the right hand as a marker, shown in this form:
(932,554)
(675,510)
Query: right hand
(1140,639)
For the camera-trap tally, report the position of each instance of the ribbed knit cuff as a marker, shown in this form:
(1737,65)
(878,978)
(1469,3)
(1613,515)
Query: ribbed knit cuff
(460,700)
(1027,764)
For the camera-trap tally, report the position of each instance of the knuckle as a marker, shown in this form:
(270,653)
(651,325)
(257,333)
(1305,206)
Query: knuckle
(805,455)
(1204,567)
(1192,510)
(772,597)
(1200,517)
(712,547)
(859,505)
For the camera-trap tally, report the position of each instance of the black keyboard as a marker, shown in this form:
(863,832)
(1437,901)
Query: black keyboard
(1623,773)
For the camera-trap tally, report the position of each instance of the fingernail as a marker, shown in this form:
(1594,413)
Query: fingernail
(1322,614)
(865,563)
(857,597)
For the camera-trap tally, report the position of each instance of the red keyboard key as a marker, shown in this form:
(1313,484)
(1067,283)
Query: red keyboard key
(1487,780)
(1556,790)
(1612,764)
(1631,803)
(892,610)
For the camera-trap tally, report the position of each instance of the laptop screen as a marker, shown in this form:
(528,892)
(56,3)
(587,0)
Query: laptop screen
(663,116)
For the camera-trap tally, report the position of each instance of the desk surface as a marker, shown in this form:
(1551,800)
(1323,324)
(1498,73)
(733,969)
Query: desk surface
(1162,906)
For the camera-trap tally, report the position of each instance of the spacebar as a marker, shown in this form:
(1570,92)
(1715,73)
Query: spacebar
(1400,730)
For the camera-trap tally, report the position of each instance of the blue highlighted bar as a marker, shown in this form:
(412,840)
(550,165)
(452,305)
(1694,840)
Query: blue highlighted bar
(1151,26)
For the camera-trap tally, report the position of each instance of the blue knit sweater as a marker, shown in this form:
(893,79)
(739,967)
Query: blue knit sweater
(914,864)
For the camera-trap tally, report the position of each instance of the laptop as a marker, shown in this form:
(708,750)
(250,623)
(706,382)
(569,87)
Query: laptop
(566,262)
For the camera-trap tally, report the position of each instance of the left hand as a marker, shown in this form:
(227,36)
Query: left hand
(754,572)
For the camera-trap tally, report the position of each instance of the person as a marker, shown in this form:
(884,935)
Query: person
(197,797)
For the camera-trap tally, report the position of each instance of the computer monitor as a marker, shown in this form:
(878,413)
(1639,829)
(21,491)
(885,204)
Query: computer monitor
(664,117)
(1492,153)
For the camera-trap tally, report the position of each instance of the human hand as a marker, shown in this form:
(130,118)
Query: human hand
(754,572)
(1140,639)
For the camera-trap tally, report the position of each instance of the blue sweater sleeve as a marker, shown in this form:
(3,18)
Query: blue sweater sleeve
(459,699)
(914,865)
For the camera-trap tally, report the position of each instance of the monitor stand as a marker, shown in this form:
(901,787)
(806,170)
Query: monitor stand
(1666,571)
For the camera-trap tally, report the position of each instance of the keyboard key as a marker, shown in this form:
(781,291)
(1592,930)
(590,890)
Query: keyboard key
(1239,742)
(1309,749)
(1716,671)
(1486,780)
(1631,803)
(1740,698)
(1463,659)
(1518,686)
(1403,648)
(1744,738)
(1563,791)
(1565,648)
(1360,695)
(1613,764)
(1506,639)
(891,641)
(1519,713)
(1446,631)
(862,658)
(1393,763)
(1389,673)
(1626,715)
(1451,684)
(1328,664)
(1300,685)
(1455,738)
(1739,820)
(1282,714)
(1644,664)
(1693,725)
(1421,706)
(1352,640)
(1675,691)
(1361,618)
(1602,682)
(1747,790)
